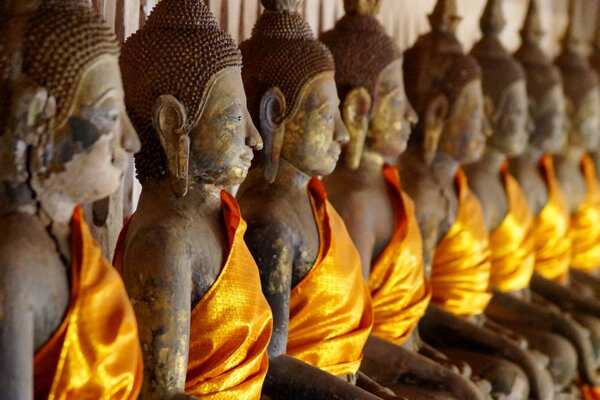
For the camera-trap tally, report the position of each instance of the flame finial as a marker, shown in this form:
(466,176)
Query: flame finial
(533,31)
(492,21)
(445,17)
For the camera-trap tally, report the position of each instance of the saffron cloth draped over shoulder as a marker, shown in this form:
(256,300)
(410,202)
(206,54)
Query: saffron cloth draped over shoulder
(95,353)
(397,281)
(551,229)
(231,324)
(460,273)
(511,243)
(331,314)
(585,222)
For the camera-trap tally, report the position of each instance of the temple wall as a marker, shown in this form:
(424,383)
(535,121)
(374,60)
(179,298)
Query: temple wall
(405,20)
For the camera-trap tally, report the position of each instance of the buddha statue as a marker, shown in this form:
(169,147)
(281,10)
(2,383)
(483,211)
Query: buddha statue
(506,213)
(365,189)
(534,169)
(203,321)
(67,327)
(310,269)
(445,87)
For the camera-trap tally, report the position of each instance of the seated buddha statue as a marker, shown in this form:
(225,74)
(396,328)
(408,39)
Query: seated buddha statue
(534,170)
(365,189)
(444,85)
(203,321)
(67,328)
(505,210)
(310,269)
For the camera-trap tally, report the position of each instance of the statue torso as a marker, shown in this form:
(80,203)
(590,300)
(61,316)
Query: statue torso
(491,194)
(527,173)
(35,272)
(436,202)
(288,216)
(199,232)
(367,201)
(571,181)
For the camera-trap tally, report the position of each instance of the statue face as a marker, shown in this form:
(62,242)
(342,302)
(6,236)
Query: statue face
(224,137)
(585,122)
(511,124)
(463,137)
(315,132)
(90,153)
(392,114)
(549,117)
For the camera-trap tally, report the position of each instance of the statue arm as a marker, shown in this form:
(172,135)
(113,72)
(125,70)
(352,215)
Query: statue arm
(159,283)
(272,248)
(16,336)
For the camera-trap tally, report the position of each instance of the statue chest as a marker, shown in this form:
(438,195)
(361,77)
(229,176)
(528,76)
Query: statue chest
(572,183)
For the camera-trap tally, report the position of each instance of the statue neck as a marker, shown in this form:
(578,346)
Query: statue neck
(291,178)
(492,160)
(573,154)
(57,208)
(199,196)
(444,168)
(371,163)
(533,153)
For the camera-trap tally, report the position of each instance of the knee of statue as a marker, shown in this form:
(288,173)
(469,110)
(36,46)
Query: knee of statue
(65,141)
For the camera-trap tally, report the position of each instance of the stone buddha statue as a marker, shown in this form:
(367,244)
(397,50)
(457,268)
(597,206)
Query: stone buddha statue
(444,85)
(365,189)
(504,205)
(534,170)
(310,269)
(204,323)
(67,326)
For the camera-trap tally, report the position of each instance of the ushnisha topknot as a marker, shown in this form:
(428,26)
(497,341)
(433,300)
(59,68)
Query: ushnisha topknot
(541,74)
(282,52)
(177,52)
(361,49)
(499,67)
(62,39)
(579,78)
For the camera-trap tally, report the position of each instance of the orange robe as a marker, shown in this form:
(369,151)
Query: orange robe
(511,243)
(585,222)
(331,314)
(461,268)
(397,281)
(551,230)
(231,324)
(95,352)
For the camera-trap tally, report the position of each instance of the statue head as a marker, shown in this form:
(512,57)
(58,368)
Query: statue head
(370,83)
(289,81)
(544,87)
(580,84)
(71,53)
(184,93)
(504,86)
(444,86)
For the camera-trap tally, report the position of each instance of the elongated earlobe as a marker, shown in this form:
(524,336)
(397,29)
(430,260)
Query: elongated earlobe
(272,130)
(355,113)
(170,120)
(435,116)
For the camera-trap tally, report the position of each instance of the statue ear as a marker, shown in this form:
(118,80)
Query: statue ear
(272,130)
(170,120)
(436,113)
(355,113)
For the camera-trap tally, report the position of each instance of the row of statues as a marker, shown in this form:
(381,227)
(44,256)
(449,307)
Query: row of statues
(421,225)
